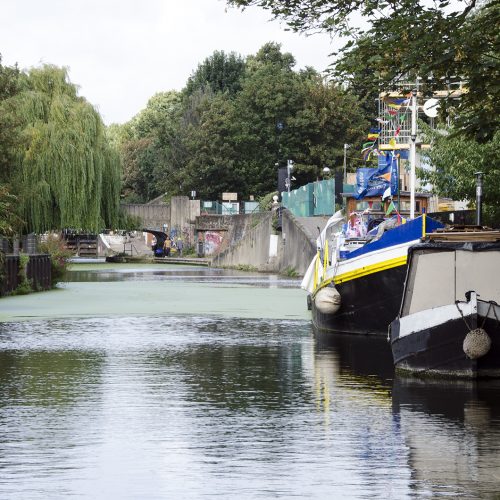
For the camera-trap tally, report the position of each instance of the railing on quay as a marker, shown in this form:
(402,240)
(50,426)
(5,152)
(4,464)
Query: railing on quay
(38,272)
(229,208)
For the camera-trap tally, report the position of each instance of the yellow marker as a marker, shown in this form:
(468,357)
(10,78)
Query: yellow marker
(315,281)
(325,259)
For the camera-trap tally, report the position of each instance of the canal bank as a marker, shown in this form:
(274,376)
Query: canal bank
(265,242)
(283,246)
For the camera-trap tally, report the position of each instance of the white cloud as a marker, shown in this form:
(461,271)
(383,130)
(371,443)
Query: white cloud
(121,52)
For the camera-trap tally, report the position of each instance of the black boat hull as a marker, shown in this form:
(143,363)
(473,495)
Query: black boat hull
(368,304)
(438,351)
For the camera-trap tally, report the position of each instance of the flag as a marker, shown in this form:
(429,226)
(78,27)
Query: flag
(381,181)
(396,102)
(390,208)
(387,193)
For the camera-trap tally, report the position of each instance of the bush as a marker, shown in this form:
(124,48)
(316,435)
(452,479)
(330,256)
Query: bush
(129,222)
(59,256)
(266,201)
(24,286)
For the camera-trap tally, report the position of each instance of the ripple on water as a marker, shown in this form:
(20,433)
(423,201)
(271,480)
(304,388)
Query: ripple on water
(207,406)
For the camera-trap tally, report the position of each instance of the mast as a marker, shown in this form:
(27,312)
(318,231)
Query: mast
(413,151)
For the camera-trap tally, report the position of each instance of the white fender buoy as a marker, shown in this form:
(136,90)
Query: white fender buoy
(327,300)
(477,343)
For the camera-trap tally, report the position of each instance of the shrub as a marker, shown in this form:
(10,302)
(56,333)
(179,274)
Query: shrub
(59,256)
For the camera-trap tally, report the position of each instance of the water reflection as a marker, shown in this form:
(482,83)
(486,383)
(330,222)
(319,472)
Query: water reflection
(452,431)
(184,273)
(210,405)
(449,430)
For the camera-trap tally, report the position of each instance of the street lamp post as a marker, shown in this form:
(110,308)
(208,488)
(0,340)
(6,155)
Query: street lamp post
(479,196)
(346,147)
(289,168)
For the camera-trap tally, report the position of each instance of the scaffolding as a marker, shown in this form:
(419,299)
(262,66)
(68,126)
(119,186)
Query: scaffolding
(394,110)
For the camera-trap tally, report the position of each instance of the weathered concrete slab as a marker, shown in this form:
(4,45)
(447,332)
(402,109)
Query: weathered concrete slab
(311,224)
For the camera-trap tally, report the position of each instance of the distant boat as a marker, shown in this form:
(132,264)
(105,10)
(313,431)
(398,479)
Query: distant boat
(359,289)
(449,319)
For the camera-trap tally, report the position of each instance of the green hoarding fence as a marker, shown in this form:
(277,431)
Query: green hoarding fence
(315,198)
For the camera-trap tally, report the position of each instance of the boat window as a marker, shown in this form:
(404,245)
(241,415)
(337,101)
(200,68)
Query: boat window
(374,206)
(431,282)
(475,271)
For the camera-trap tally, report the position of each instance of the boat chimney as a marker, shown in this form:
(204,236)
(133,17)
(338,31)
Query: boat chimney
(479,196)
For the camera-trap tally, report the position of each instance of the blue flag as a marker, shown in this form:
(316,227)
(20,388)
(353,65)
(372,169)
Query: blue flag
(378,181)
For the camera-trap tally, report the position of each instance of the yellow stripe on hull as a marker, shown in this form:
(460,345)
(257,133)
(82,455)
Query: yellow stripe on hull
(373,268)
(364,271)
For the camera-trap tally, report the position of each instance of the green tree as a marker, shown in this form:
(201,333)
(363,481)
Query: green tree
(456,160)
(214,140)
(144,144)
(406,38)
(10,79)
(65,175)
(220,72)
(284,114)
(10,223)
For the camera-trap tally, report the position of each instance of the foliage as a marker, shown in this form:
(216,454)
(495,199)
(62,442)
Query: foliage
(10,223)
(266,201)
(144,144)
(9,135)
(290,272)
(234,121)
(405,38)
(64,173)
(59,255)
(24,287)
(220,72)
(456,160)
(129,222)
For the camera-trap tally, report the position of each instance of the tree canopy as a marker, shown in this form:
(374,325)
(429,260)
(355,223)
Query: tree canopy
(456,161)
(440,41)
(57,159)
(216,137)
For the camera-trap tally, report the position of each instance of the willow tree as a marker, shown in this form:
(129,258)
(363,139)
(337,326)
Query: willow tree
(66,173)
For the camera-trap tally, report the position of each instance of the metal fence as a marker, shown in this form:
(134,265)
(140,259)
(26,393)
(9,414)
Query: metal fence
(38,272)
(463,217)
(229,208)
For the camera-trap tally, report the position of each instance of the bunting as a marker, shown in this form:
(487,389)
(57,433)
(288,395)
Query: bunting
(390,208)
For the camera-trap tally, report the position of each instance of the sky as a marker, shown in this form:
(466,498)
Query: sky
(121,52)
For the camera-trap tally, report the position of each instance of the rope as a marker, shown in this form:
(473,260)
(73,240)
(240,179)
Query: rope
(477,342)
(485,316)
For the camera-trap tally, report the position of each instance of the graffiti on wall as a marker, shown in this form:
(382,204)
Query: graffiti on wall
(213,242)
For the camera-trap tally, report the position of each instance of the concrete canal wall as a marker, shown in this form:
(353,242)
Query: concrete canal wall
(254,242)
(299,245)
(235,240)
(178,215)
(248,243)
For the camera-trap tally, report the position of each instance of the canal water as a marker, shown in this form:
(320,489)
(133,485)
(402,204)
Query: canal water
(163,382)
